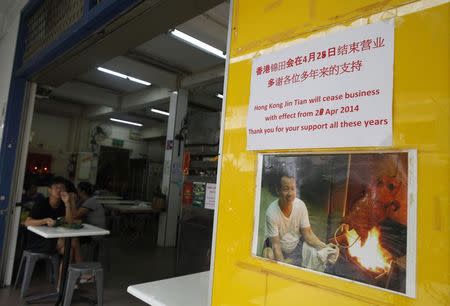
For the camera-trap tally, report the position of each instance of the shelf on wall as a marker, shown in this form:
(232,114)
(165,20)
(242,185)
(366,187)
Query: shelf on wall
(200,178)
(203,164)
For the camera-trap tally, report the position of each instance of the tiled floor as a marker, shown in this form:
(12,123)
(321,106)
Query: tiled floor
(133,263)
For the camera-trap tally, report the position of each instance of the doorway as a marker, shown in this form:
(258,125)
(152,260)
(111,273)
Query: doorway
(85,97)
(113,170)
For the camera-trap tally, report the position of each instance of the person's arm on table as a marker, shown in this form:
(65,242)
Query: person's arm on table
(79,213)
(39,222)
(65,197)
(37,217)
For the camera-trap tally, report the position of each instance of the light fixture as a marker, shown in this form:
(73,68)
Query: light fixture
(139,81)
(126,122)
(124,76)
(117,74)
(219,95)
(197,43)
(158,111)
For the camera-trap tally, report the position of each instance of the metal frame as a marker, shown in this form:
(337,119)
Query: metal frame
(18,177)
(95,16)
(219,163)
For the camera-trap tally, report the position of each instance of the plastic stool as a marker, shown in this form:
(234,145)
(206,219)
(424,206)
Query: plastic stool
(30,259)
(75,271)
(99,248)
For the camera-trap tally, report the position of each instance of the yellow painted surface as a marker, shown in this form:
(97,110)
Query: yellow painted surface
(420,121)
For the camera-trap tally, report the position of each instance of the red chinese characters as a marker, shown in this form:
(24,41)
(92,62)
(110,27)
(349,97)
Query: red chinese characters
(342,50)
(259,70)
(353,47)
(274,67)
(324,72)
(378,43)
(331,51)
(312,74)
(290,63)
(365,44)
(345,49)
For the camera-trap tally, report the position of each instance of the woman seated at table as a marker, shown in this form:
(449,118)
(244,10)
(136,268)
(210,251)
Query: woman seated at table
(89,210)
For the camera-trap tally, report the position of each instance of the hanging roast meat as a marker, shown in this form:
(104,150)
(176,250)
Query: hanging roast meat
(373,207)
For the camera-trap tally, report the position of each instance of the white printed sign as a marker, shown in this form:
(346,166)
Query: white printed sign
(333,91)
(210,196)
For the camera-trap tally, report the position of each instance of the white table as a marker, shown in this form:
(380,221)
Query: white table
(62,232)
(188,290)
(131,220)
(130,209)
(108,197)
(68,234)
(122,202)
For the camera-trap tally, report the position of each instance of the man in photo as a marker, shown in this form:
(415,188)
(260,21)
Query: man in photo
(289,237)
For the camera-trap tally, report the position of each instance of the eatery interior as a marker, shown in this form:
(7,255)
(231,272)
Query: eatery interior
(143,129)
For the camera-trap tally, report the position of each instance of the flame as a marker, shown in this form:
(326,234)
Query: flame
(370,255)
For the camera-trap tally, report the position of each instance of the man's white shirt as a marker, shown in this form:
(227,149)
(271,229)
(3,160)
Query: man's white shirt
(287,228)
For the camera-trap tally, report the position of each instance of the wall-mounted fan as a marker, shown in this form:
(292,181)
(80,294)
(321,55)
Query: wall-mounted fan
(98,134)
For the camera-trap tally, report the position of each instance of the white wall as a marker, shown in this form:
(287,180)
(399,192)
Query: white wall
(61,135)
(51,135)
(138,148)
(157,130)
(50,132)
(156,150)
(7,48)
(8,38)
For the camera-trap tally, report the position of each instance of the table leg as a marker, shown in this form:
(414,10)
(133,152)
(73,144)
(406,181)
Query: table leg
(65,267)
(155,222)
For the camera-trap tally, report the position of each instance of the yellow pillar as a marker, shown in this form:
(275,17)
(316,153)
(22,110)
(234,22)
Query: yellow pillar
(420,121)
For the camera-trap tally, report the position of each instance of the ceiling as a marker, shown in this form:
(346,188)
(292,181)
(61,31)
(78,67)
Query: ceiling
(163,60)
(8,9)
(5,7)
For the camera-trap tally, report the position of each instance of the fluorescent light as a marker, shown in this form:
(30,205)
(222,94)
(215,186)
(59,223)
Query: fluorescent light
(159,111)
(197,43)
(124,76)
(126,122)
(139,81)
(117,74)
(219,95)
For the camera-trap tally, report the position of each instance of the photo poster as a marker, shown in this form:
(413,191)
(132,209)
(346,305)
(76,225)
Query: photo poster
(198,194)
(324,92)
(361,206)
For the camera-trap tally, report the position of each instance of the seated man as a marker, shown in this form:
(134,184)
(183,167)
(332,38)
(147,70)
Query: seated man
(45,213)
(289,234)
(30,195)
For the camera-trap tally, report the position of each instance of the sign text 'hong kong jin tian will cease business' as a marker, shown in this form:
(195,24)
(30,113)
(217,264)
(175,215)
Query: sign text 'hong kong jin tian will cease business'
(332,91)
